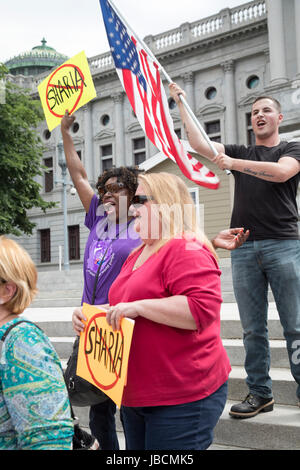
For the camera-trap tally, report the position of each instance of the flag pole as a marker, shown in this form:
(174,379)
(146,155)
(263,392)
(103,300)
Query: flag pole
(168,78)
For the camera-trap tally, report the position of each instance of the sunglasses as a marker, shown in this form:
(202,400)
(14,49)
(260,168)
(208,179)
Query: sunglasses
(140,200)
(111,188)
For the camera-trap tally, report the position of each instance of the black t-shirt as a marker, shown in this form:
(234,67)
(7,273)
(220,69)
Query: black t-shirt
(267,209)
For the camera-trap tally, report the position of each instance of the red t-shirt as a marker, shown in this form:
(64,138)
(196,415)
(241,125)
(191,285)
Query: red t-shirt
(168,365)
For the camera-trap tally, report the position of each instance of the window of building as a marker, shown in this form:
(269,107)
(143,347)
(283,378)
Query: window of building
(211,93)
(105,119)
(45,245)
(48,175)
(213,130)
(178,133)
(250,133)
(47,134)
(74,242)
(106,157)
(172,103)
(252,82)
(75,127)
(139,150)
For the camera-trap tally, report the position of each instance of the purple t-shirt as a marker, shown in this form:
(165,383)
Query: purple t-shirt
(108,244)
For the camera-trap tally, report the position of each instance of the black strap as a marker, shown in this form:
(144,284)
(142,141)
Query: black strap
(102,260)
(97,275)
(16,324)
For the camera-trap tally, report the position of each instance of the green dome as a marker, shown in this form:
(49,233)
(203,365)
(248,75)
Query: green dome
(40,59)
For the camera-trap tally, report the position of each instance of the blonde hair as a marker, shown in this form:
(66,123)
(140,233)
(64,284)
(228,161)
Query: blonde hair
(176,207)
(16,266)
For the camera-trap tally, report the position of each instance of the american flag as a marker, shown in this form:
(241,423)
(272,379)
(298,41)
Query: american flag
(140,77)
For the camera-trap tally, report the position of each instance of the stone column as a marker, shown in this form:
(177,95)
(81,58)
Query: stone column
(88,158)
(276,42)
(119,130)
(230,103)
(188,80)
(297,17)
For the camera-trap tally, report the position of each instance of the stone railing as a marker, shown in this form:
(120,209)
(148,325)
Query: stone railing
(251,11)
(101,61)
(226,20)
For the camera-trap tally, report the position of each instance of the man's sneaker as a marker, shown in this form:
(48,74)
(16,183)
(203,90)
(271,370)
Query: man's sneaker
(251,406)
(82,440)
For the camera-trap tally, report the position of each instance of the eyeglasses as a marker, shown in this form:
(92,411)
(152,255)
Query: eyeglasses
(111,188)
(140,200)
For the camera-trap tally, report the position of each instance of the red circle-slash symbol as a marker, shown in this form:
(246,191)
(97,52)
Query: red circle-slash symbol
(96,382)
(79,87)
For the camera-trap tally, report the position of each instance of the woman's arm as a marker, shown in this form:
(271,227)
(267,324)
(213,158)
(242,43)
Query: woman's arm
(171,311)
(74,164)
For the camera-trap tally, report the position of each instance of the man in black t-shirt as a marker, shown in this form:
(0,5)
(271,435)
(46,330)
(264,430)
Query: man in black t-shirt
(266,177)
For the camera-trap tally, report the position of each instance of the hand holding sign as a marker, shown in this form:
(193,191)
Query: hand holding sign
(70,86)
(115,313)
(103,353)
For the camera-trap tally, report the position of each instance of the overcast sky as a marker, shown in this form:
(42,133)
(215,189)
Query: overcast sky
(71,26)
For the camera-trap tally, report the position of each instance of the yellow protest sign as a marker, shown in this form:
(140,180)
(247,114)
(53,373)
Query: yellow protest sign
(69,87)
(103,353)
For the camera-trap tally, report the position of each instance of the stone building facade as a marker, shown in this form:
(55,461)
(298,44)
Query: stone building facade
(223,62)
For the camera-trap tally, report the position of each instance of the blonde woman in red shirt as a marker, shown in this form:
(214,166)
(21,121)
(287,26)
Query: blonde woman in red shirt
(178,368)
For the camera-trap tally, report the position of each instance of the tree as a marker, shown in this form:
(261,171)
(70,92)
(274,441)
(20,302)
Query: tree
(20,159)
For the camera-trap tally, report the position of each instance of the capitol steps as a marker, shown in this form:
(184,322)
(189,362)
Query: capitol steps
(279,429)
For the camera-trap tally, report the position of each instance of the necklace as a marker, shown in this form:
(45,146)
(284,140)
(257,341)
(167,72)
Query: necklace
(103,257)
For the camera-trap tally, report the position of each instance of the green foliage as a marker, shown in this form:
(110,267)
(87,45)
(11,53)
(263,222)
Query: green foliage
(20,159)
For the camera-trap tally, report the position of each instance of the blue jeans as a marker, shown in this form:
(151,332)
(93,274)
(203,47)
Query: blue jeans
(103,425)
(175,427)
(255,266)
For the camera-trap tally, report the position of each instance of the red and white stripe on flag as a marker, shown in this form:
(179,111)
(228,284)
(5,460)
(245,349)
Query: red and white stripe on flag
(152,111)
(139,74)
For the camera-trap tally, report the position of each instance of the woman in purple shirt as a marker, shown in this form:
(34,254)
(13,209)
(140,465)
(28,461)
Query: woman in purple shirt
(110,241)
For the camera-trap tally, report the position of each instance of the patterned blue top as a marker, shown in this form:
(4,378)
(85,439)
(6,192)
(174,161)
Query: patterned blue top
(34,405)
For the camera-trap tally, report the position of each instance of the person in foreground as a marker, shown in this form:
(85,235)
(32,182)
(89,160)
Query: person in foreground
(34,405)
(266,177)
(178,368)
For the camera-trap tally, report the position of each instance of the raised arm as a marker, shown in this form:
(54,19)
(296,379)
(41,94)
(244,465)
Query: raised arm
(74,164)
(195,138)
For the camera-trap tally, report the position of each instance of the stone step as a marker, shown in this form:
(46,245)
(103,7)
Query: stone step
(231,327)
(61,294)
(236,352)
(234,348)
(57,302)
(230,321)
(283,385)
(276,430)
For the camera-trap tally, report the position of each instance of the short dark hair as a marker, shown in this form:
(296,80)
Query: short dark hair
(266,97)
(126,175)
